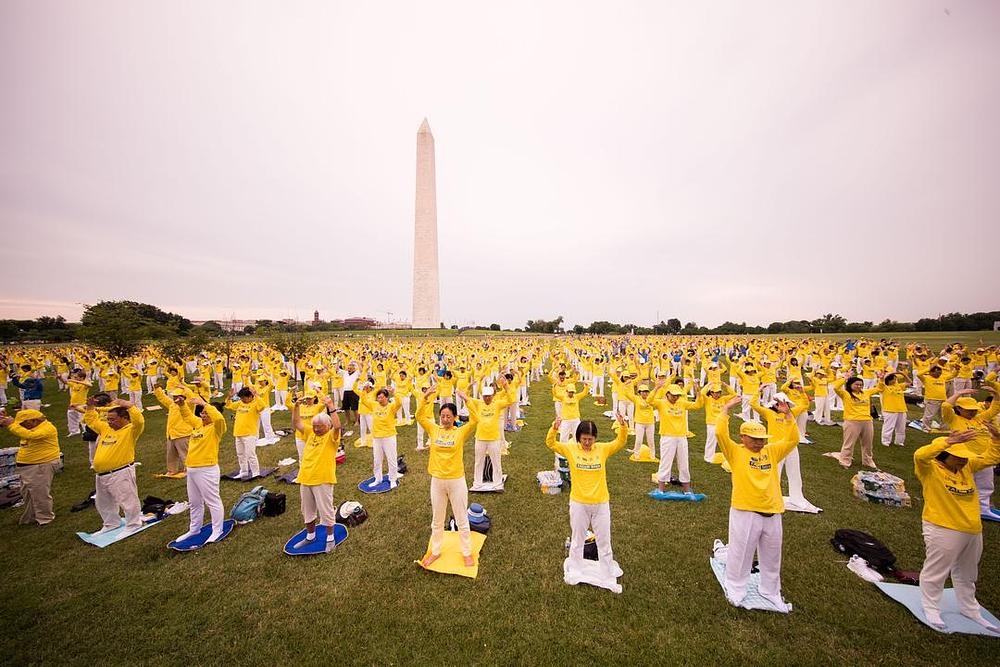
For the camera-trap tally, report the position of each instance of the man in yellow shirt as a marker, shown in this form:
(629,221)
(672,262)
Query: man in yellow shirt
(36,461)
(114,463)
(488,411)
(961,412)
(935,382)
(673,413)
(952,529)
(178,428)
(756,506)
(78,386)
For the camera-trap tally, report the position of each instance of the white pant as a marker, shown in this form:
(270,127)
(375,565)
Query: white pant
(246,454)
(486,448)
(317,502)
(950,552)
(454,491)
(385,447)
(365,425)
(669,446)
(746,414)
(567,429)
(749,532)
(203,491)
(557,405)
(644,434)
(150,382)
(893,424)
(984,484)
(802,421)
(300,447)
(280,395)
(597,517)
(136,398)
(117,491)
(404,415)
(711,441)
(822,411)
(793,470)
(420,436)
(767,392)
(73,422)
(597,386)
(265,424)
(31,404)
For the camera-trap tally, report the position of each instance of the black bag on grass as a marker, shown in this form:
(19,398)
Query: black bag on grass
(401,467)
(274,504)
(154,505)
(852,542)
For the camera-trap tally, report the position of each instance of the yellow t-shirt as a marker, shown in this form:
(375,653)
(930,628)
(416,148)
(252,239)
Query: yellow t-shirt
(247,420)
(756,484)
(587,469)
(857,407)
(445,460)
(115,449)
(78,392)
(38,445)
(673,416)
(489,416)
(203,447)
(951,499)
(177,425)
(319,459)
(893,399)
(383,416)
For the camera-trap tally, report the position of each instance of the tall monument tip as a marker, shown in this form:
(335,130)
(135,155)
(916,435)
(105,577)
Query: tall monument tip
(424,127)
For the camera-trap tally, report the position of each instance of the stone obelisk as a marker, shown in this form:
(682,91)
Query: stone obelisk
(426,293)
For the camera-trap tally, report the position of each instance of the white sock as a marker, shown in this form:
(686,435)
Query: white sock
(978,618)
(311,535)
(190,533)
(934,618)
(329,533)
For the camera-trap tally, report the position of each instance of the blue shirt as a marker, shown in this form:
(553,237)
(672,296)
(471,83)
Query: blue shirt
(32,388)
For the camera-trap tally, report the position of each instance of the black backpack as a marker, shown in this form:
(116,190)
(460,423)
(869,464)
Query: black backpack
(274,504)
(855,542)
(157,506)
(401,466)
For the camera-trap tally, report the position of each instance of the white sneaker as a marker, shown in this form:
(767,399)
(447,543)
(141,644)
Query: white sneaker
(859,566)
(214,537)
(187,535)
(106,529)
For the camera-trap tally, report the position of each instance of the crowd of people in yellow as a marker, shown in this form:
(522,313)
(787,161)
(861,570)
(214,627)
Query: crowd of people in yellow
(777,386)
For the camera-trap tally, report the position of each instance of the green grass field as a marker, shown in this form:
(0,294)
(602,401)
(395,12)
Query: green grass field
(368,603)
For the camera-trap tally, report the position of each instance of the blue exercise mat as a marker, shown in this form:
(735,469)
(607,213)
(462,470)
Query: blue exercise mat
(909,597)
(994,515)
(656,494)
(235,475)
(199,540)
(102,540)
(290,477)
(381,487)
(299,546)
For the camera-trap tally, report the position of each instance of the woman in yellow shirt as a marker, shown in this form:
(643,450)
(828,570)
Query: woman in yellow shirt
(318,469)
(894,408)
(447,470)
(207,428)
(952,529)
(383,409)
(589,500)
(858,424)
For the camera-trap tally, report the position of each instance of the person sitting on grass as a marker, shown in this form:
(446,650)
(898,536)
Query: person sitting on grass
(756,505)
(952,528)
(447,470)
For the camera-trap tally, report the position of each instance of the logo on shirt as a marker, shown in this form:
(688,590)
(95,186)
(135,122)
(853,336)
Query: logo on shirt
(588,466)
(967,491)
(760,463)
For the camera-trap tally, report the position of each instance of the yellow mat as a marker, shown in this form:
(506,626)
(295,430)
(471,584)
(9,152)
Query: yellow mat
(152,408)
(170,475)
(506,449)
(718,458)
(367,442)
(451,561)
(644,456)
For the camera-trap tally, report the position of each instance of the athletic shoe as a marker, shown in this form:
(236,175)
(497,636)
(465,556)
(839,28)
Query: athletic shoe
(214,537)
(934,618)
(187,535)
(310,537)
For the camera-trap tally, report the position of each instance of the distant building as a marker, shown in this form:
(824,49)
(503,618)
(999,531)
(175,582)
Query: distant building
(315,317)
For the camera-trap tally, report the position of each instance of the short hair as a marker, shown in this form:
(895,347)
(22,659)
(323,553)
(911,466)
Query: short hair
(322,418)
(102,399)
(586,427)
(449,406)
(244,392)
(382,392)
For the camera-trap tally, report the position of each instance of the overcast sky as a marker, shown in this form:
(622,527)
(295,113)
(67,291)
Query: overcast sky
(708,161)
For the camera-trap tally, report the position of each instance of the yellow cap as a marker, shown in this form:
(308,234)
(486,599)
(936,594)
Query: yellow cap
(24,415)
(961,450)
(754,430)
(967,403)
(675,390)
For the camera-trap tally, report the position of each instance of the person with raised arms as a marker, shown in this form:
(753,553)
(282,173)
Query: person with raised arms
(207,426)
(447,470)
(37,458)
(247,406)
(589,500)
(382,409)
(488,412)
(318,468)
(673,413)
(756,506)
(952,527)
(114,463)
(858,424)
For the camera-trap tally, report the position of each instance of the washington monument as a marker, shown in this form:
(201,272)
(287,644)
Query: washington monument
(426,291)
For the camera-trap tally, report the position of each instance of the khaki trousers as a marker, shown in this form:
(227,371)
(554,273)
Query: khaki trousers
(317,501)
(456,492)
(855,430)
(36,481)
(177,451)
(117,491)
